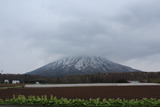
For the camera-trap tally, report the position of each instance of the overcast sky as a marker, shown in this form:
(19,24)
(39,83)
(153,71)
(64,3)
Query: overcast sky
(36,32)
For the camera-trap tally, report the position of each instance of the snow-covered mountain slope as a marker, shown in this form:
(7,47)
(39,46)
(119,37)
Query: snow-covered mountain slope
(79,66)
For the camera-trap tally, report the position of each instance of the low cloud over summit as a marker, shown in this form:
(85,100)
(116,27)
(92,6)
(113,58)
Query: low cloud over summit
(34,33)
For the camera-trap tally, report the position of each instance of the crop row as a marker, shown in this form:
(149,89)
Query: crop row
(64,102)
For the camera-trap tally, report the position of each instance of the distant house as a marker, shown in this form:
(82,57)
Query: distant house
(6,81)
(37,82)
(15,82)
(133,81)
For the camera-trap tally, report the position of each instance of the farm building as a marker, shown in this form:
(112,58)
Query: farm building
(15,82)
(134,81)
(37,82)
(6,81)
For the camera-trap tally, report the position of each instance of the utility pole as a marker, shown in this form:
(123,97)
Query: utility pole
(1,76)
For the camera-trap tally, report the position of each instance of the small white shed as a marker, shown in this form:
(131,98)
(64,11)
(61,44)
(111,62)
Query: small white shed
(6,81)
(37,82)
(15,82)
(133,81)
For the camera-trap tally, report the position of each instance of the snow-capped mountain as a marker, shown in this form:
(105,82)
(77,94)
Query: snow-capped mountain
(79,66)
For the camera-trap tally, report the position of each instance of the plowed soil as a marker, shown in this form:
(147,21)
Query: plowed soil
(124,92)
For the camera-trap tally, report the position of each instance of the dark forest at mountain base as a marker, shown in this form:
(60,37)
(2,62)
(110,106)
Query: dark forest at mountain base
(121,77)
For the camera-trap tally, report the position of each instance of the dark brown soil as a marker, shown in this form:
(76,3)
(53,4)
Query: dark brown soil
(11,85)
(126,92)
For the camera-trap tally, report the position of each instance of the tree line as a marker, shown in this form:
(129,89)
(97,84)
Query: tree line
(114,77)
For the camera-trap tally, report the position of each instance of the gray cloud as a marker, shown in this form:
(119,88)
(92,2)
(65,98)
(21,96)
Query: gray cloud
(34,33)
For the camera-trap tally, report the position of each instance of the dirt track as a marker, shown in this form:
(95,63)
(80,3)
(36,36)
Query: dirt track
(127,92)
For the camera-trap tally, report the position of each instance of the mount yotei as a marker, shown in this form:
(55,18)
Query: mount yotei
(81,65)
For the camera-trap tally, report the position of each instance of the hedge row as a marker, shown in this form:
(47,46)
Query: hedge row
(64,102)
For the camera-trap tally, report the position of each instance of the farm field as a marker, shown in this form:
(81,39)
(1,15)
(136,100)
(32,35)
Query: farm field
(86,92)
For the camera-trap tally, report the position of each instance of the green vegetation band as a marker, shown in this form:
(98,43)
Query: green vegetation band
(53,101)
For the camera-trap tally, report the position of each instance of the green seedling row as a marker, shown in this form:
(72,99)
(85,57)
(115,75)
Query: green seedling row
(64,102)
